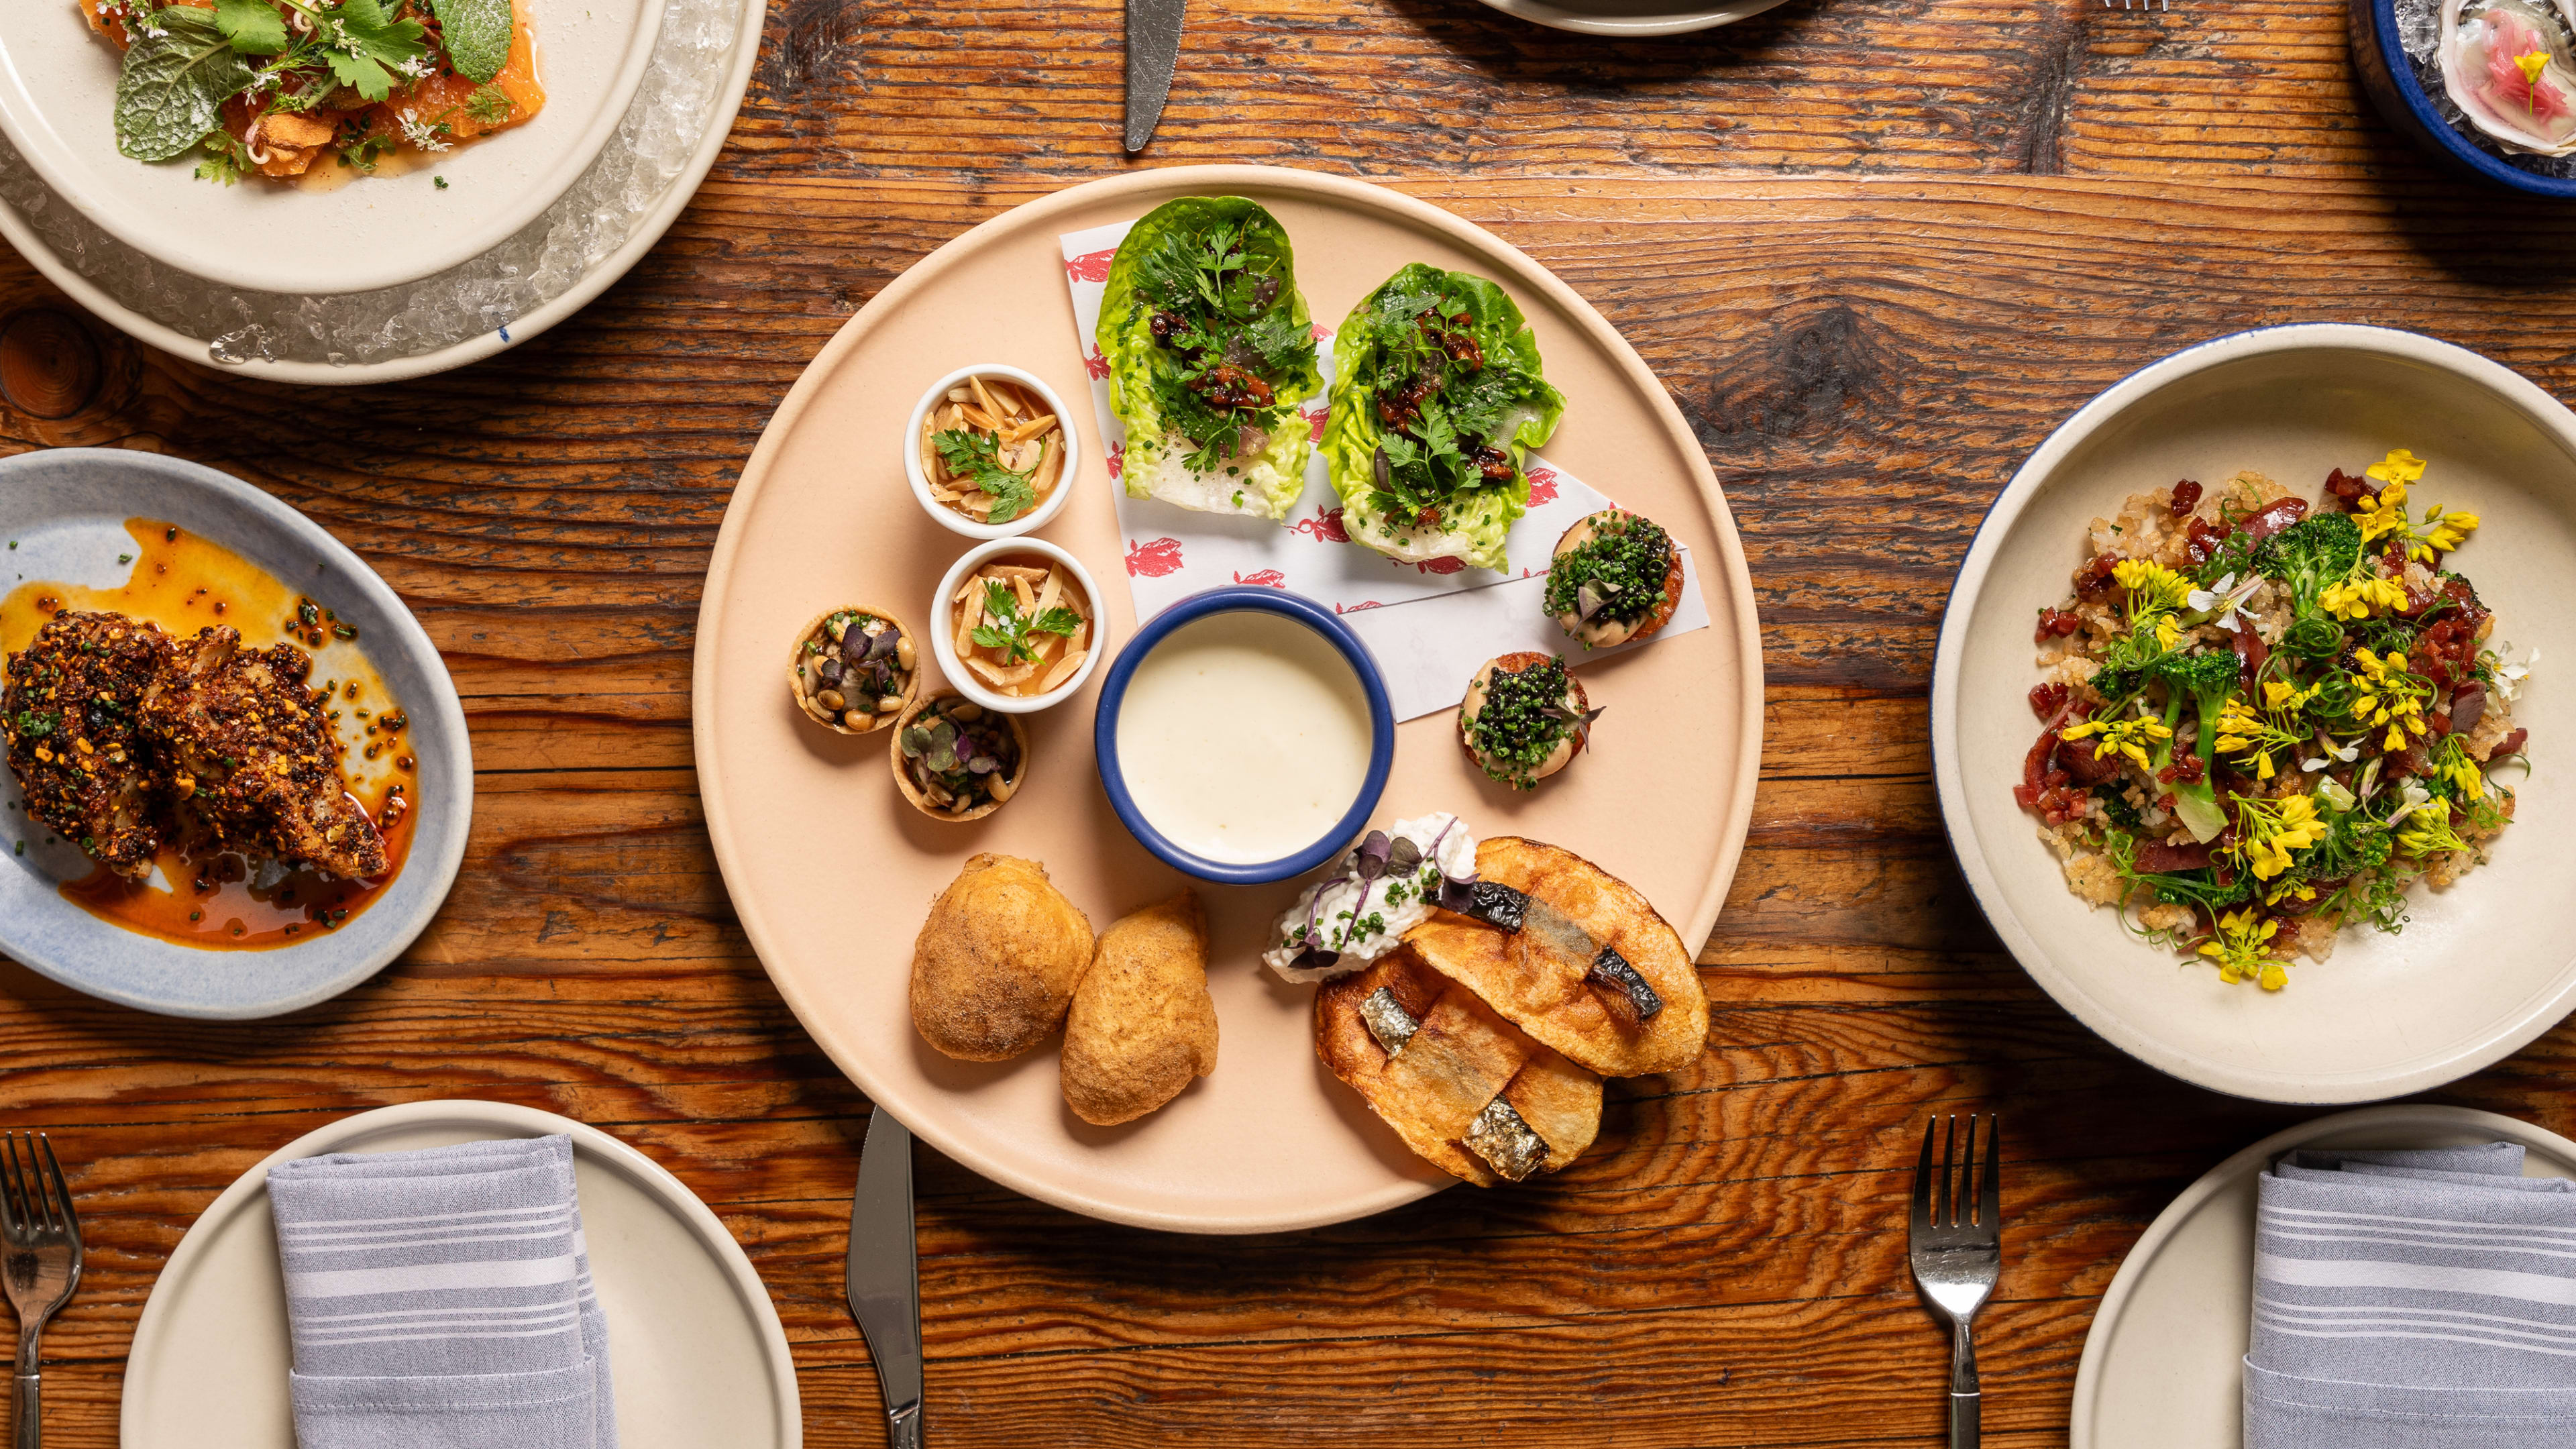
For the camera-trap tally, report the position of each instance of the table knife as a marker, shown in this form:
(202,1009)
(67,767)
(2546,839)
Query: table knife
(1153,49)
(884,1276)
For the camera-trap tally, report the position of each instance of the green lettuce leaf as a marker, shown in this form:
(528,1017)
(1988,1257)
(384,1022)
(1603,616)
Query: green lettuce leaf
(1475,520)
(1144,375)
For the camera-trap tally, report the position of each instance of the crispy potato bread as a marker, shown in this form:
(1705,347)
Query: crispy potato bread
(995,965)
(1537,976)
(1459,1059)
(1142,1026)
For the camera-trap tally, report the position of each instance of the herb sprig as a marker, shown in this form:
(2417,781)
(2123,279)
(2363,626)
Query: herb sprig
(975,458)
(1010,629)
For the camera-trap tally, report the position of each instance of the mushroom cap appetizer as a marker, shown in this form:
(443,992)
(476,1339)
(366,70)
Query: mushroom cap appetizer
(1616,578)
(1524,718)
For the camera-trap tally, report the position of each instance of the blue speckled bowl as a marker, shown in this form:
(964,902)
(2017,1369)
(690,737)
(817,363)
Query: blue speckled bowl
(2388,76)
(68,502)
(1113,693)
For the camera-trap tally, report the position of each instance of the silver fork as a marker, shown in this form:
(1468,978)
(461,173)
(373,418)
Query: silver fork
(1957,1248)
(41,1267)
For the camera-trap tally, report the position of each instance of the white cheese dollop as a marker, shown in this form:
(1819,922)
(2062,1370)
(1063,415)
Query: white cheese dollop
(1365,920)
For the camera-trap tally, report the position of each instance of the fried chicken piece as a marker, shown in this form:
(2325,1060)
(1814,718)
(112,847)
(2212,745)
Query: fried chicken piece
(72,712)
(244,740)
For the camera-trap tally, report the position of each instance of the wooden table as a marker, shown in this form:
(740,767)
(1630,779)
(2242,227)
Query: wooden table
(1877,250)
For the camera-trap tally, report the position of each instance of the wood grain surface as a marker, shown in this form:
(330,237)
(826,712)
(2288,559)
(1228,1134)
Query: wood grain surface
(1876,248)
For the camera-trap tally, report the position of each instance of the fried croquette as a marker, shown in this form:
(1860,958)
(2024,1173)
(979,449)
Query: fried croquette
(1142,1026)
(995,966)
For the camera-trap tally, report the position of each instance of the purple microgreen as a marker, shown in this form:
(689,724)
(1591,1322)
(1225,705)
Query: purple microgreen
(1370,859)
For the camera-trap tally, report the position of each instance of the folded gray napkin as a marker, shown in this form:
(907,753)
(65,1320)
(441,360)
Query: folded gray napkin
(2412,1300)
(441,1300)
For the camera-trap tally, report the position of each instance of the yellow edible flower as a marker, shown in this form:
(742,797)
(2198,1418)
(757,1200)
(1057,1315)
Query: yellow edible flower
(2399,467)
(2388,695)
(2242,947)
(2268,830)
(2152,586)
(2383,514)
(2532,65)
(2443,532)
(2453,764)
(2361,596)
(2127,738)
(2428,833)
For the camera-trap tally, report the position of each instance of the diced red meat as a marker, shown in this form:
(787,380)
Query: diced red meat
(2094,578)
(2274,517)
(2510,745)
(2047,699)
(2186,497)
(2251,654)
(2468,707)
(2162,859)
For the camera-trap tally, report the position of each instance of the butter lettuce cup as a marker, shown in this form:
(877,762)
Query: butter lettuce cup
(1017,626)
(1244,735)
(854,670)
(955,760)
(991,452)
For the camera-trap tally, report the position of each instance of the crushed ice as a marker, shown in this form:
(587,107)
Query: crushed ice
(661,129)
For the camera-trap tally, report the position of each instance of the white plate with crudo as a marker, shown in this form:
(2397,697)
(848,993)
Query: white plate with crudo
(2164,1363)
(694,1345)
(2483,967)
(58,107)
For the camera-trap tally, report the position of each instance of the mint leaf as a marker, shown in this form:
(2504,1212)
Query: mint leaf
(253,26)
(477,34)
(174,82)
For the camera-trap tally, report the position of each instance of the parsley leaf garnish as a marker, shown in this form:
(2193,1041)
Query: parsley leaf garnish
(974,457)
(1010,630)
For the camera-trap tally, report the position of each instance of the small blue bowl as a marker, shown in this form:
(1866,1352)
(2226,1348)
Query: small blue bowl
(2388,75)
(1113,693)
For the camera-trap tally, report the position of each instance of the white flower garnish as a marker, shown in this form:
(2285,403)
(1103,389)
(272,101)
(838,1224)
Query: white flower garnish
(2335,794)
(2411,797)
(421,136)
(2221,600)
(2509,677)
(2344,755)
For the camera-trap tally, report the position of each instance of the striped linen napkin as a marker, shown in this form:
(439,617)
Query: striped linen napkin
(2412,1300)
(442,1300)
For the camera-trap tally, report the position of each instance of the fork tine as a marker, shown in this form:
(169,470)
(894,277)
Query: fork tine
(1923,1180)
(1966,1200)
(12,1201)
(62,1190)
(31,1184)
(1990,1196)
(1941,1202)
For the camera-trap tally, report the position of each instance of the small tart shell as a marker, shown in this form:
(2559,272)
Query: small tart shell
(912,792)
(1575,699)
(813,631)
(1592,636)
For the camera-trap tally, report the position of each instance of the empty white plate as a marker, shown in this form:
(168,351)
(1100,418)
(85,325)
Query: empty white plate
(694,1343)
(58,102)
(2164,1362)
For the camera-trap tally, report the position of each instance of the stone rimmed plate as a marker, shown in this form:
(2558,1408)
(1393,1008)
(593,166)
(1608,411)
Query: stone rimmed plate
(2164,1360)
(832,874)
(694,1343)
(71,502)
(57,105)
(2485,966)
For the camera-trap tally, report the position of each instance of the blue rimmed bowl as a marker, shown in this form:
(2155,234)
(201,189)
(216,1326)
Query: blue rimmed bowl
(2388,76)
(1304,611)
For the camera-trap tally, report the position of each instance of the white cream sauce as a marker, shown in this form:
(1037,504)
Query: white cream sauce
(1244,737)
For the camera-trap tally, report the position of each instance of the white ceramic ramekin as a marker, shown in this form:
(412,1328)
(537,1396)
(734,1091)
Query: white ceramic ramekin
(943,627)
(956,522)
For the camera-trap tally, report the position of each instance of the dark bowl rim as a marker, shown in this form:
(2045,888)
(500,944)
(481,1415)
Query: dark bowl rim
(2390,53)
(1229,600)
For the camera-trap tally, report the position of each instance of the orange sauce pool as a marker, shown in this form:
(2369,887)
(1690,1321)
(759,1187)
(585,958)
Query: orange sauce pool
(224,900)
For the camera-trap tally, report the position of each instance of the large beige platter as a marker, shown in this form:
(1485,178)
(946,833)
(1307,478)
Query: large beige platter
(832,873)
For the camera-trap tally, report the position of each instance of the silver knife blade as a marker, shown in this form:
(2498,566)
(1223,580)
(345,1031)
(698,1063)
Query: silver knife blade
(883,1278)
(1153,50)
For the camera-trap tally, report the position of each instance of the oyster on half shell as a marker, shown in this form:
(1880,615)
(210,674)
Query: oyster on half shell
(2510,66)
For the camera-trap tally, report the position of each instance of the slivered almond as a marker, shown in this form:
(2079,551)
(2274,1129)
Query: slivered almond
(1030,429)
(1000,675)
(1063,670)
(977,417)
(1053,590)
(985,398)
(1016,571)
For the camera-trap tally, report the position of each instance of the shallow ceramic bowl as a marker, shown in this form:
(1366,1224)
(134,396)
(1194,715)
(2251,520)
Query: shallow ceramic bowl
(1065,474)
(70,505)
(2379,59)
(1302,610)
(2485,966)
(943,627)
(1632,18)
(57,105)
